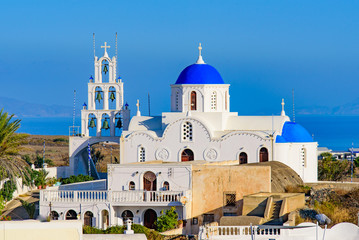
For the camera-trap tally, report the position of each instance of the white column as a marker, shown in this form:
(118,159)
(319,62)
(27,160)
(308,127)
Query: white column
(110,72)
(99,125)
(112,124)
(105,98)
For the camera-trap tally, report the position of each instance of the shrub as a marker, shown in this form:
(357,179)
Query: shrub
(5,218)
(75,179)
(61,140)
(91,230)
(40,179)
(331,169)
(7,190)
(167,221)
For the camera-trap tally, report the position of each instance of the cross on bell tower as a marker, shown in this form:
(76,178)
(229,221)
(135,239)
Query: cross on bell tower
(105,47)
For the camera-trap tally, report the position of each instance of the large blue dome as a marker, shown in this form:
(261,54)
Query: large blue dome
(293,132)
(199,74)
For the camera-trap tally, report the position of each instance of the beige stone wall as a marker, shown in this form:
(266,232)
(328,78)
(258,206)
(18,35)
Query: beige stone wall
(211,182)
(35,230)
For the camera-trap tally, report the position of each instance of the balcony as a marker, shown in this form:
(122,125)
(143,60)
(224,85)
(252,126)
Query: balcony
(123,198)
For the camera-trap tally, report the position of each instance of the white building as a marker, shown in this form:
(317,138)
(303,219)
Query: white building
(200,126)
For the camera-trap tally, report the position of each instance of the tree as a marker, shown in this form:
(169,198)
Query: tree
(167,221)
(11,165)
(331,169)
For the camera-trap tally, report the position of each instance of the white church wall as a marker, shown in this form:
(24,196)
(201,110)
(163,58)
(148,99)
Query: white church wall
(178,177)
(291,155)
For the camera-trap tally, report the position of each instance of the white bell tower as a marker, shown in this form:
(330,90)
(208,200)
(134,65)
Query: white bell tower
(104,111)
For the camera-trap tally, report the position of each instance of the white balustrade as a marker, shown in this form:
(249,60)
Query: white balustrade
(224,232)
(113,196)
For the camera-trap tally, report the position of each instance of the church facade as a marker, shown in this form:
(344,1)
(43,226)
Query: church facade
(197,157)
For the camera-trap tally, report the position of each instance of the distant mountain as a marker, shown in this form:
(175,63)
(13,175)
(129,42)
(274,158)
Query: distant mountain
(351,108)
(25,109)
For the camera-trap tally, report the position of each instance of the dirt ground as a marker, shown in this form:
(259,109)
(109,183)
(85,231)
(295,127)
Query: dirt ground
(57,150)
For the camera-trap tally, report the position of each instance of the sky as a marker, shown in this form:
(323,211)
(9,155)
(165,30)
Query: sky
(264,49)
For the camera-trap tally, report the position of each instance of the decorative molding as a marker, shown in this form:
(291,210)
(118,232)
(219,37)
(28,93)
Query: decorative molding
(162,154)
(210,154)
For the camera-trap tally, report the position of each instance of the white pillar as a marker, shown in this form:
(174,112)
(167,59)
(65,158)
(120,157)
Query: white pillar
(112,124)
(99,125)
(105,99)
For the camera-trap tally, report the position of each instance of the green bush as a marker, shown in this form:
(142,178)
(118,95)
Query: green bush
(167,221)
(150,234)
(7,190)
(41,176)
(61,140)
(330,169)
(75,179)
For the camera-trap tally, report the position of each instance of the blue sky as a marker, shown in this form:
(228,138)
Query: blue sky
(262,48)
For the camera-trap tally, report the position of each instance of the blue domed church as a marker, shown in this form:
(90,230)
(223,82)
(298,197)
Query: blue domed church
(201,126)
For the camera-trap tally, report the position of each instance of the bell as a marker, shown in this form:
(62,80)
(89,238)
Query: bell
(112,96)
(119,123)
(99,97)
(105,125)
(92,123)
(105,69)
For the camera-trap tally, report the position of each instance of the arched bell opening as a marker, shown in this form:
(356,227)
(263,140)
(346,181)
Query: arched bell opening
(99,102)
(118,124)
(105,125)
(92,125)
(112,98)
(105,68)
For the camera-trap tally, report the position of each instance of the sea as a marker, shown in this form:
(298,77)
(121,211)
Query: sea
(338,133)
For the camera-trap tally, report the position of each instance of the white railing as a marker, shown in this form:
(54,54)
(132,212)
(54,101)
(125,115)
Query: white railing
(111,196)
(230,232)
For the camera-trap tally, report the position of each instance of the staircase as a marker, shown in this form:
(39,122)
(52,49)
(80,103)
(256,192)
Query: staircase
(274,212)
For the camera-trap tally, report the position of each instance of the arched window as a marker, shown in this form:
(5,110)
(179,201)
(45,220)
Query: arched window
(263,155)
(99,102)
(141,154)
(71,215)
(193,100)
(177,100)
(243,159)
(187,155)
(303,155)
(54,215)
(187,134)
(214,101)
(131,186)
(127,215)
(166,186)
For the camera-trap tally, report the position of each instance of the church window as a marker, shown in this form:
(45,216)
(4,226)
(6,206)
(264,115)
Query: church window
(166,186)
(142,154)
(131,186)
(187,134)
(127,215)
(303,156)
(243,158)
(193,100)
(263,155)
(177,100)
(214,101)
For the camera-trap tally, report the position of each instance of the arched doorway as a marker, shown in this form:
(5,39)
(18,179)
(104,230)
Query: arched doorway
(263,155)
(150,218)
(71,215)
(243,159)
(88,219)
(127,215)
(105,219)
(187,155)
(149,181)
(54,215)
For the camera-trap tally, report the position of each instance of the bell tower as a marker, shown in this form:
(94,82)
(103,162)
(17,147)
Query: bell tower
(104,111)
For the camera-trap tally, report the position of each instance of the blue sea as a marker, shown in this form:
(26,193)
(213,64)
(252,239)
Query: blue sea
(334,132)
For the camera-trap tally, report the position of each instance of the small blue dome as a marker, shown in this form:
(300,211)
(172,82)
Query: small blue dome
(293,132)
(199,74)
